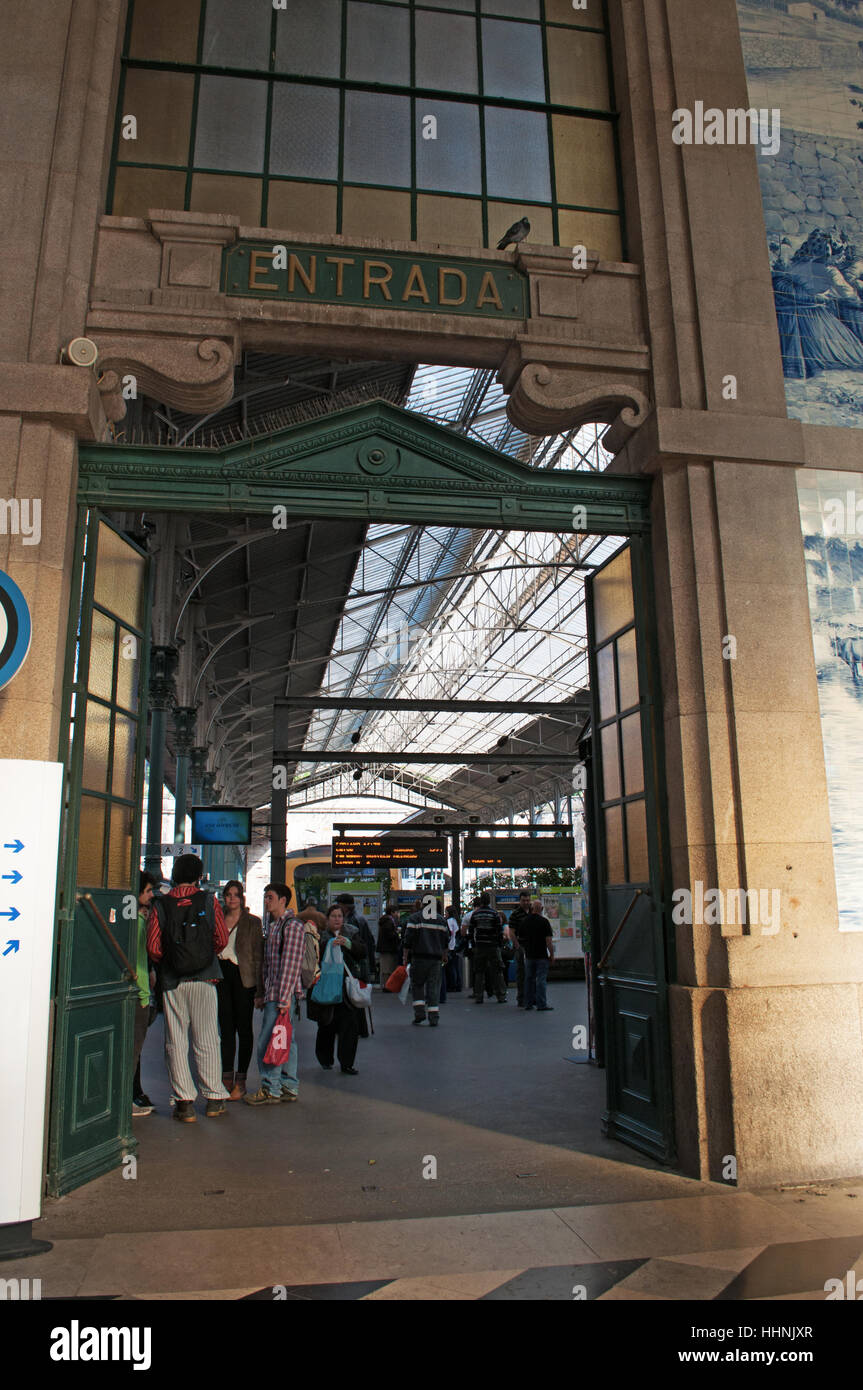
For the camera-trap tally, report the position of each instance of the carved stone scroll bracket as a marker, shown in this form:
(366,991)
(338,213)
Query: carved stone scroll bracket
(111,392)
(187,373)
(549,400)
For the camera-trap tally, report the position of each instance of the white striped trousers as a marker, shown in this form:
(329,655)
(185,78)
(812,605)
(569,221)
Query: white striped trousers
(191,1011)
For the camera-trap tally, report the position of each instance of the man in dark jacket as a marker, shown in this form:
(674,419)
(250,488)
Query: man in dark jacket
(538,951)
(485,933)
(517,918)
(190,1002)
(426,945)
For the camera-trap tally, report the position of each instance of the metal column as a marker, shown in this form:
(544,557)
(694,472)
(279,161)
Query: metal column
(163,664)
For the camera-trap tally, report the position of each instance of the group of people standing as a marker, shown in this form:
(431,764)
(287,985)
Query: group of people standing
(211,964)
(431,941)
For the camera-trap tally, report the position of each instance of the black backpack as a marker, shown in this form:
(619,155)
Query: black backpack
(187,932)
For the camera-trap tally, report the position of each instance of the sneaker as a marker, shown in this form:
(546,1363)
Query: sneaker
(216,1107)
(528,1007)
(545,1008)
(238,1090)
(289,1095)
(433,1020)
(141,1109)
(261,1097)
(143,1100)
(502,999)
(185,1110)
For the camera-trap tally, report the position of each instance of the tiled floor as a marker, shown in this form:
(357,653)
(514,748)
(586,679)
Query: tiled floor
(732,1246)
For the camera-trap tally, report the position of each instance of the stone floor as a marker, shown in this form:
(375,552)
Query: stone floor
(327,1199)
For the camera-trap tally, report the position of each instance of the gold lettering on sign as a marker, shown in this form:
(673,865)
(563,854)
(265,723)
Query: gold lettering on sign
(416,286)
(443,272)
(295,267)
(341,262)
(380,280)
(488,292)
(259,263)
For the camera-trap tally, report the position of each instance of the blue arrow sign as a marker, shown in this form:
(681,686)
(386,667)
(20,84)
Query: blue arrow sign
(11,946)
(15,845)
(12,913)
(14,876)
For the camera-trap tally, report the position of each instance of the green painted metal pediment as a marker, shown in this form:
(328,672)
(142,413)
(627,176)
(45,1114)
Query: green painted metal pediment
(375,461)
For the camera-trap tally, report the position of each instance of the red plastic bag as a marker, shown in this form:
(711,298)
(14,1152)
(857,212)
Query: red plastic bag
(397,979)
(279,1046)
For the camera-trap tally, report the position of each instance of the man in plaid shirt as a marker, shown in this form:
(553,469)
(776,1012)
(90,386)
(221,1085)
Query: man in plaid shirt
(279,986)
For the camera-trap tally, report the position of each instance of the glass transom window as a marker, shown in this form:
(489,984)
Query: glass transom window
(443,121)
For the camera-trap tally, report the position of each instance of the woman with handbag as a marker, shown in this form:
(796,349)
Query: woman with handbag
(339,1023)
(241,966)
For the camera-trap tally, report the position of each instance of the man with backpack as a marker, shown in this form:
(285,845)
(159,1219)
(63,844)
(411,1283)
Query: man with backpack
(185,933)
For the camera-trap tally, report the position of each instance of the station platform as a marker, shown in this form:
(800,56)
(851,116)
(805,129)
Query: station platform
(326,1198)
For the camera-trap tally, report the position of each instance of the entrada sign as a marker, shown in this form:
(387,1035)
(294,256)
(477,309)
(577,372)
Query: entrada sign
(342,275)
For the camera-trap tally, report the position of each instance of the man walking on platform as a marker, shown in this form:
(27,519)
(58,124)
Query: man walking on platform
(425,946)
(185,933)
(485,933)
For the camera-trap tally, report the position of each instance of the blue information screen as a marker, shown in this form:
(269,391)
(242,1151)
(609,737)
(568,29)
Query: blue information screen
(222,825)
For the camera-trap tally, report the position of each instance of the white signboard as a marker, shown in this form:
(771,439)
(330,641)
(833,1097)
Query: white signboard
(30,798)
(174,851)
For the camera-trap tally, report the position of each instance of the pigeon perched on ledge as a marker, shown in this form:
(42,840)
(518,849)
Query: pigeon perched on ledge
(517,232)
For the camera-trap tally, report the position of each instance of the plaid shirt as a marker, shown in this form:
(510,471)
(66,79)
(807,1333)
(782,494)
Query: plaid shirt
(283,957)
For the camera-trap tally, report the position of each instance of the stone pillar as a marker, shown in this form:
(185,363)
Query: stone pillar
(765,1018)
(184,734)
(163,664)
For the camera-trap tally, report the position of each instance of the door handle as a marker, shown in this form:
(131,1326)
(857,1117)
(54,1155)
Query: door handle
(639,893)
(88,899)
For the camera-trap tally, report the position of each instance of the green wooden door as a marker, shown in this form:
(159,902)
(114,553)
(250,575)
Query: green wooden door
(103,749)
(627,817)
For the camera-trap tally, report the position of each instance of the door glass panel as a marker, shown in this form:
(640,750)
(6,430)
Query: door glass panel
(119,577)
(636,835)
(100,680)
(612,596)
(309,38)
(521,9)
(91,842)
(451,162)
(237,38)
(120,847)
(633,763)
(123,770)
(230,130)
(128,670)
(605,671)
(615,871)
(446,52)
(377,139)
(516,145)
(627,670)
(610,764)
(96,745)
(305,134)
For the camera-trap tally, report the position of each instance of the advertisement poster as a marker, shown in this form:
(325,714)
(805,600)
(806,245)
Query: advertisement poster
(562,907)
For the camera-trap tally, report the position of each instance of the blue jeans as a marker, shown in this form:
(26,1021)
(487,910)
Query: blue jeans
(535,977)
(273,1078)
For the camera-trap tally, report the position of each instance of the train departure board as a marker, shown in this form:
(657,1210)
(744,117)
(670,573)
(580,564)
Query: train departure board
(518,852)
(355,852)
